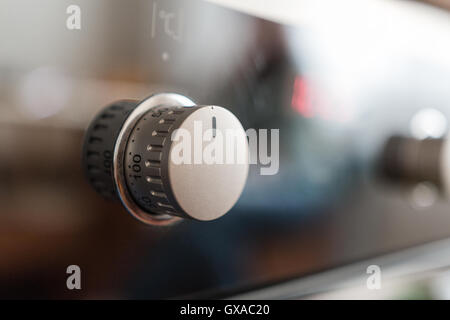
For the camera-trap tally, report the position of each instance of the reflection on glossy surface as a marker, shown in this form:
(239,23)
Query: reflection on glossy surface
(325,207)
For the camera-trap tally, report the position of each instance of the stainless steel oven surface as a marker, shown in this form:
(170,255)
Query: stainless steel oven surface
(351,98)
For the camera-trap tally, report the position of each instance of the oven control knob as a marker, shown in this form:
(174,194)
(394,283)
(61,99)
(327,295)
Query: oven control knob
(406,159)
(166,158)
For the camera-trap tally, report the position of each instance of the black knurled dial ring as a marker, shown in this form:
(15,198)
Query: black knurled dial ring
(99,144)
(146,159)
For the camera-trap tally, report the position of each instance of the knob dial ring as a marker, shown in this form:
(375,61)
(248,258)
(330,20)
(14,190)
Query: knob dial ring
(156,100)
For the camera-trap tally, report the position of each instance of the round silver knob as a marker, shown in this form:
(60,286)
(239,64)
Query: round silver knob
(166,158)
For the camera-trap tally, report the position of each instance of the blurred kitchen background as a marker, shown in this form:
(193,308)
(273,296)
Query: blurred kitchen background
(338,78)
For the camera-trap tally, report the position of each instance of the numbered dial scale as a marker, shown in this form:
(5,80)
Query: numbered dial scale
(128,154)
